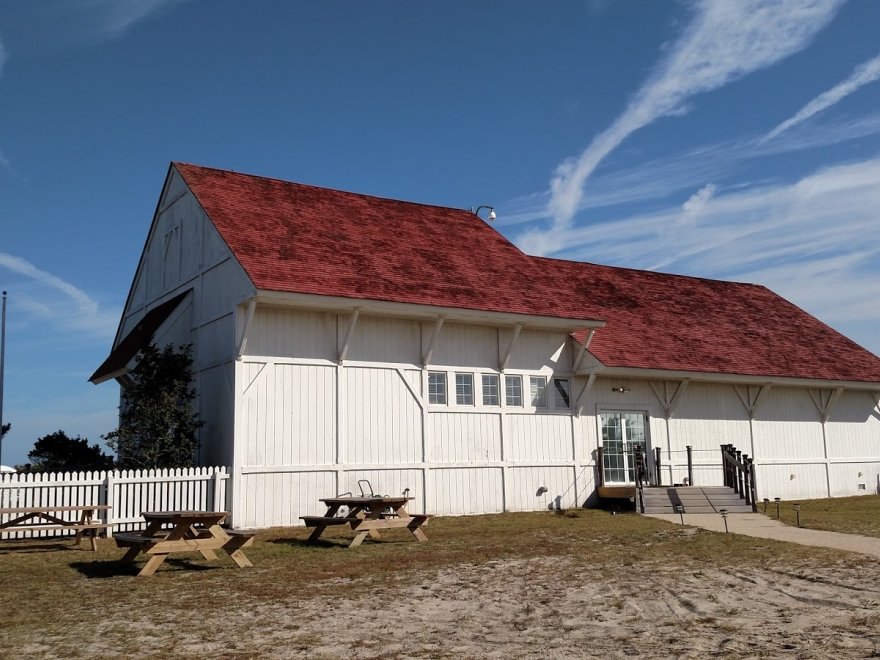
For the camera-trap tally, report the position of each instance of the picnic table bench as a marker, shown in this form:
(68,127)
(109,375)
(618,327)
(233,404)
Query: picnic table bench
(190,531)
(367,516)
(44,518)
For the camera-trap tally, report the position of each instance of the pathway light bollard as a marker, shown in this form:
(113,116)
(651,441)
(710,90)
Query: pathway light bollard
(777,500)
(766,502)
(679,509)
(797,511)
(723,513)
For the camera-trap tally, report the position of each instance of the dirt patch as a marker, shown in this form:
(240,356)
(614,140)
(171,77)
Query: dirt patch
(559,607)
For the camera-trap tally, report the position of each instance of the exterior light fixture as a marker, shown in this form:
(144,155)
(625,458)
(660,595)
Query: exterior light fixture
(679,509)
(622,390)
(797,510)
(491,215)
(777,500)
(723,513)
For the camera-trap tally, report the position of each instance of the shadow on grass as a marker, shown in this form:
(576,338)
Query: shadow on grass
(304,543)
(338,542)
(116,567)
(36,547)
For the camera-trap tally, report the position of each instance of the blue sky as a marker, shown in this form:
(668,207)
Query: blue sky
(734,140)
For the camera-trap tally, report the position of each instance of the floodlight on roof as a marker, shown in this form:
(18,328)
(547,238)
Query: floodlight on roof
(491,215)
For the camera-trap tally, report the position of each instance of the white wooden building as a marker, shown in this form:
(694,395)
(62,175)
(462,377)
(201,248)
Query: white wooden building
(339,337)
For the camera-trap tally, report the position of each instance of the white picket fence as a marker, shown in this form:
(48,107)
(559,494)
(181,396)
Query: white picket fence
(128,492)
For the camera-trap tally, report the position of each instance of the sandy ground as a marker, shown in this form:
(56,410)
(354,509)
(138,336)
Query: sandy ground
(560,608)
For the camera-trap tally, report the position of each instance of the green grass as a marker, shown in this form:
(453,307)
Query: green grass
(851,515)
(50,588)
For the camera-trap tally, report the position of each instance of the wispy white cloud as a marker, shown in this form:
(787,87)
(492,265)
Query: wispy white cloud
(37,298)
(863,74)
(659,179)
(723,42)
(5,164)
(4,56)
(696,205)
(112,18)
(57,25)
(23,267)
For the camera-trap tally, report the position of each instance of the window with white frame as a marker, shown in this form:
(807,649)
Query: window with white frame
(490,390)
(561,393)
(513,392)
(538,391)
(464,389)
(437,387)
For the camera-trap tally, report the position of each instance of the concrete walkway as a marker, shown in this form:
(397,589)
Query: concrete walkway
(761,526)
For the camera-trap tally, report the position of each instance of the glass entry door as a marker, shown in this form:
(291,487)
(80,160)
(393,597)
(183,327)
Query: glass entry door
(621,433)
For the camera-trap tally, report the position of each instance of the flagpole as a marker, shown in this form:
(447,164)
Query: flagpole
(2,366)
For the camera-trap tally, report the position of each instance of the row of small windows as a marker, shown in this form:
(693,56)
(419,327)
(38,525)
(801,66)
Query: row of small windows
(490,394)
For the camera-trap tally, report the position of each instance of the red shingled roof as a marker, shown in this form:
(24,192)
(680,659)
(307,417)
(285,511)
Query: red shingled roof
(297,238)
(303,239)
(677,323)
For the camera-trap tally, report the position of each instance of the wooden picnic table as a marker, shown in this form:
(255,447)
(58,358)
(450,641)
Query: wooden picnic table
(367,516)
(189,531)
(44,518)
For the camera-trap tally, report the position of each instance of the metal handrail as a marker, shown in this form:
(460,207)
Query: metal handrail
(641,475)
(739,474)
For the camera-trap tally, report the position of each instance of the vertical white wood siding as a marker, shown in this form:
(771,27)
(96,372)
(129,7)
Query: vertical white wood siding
(268,499)
(792,481)
(184,252)
(383,422)
(311,428)
(524,483)
(539,438)
(289,412)
(464,346)
(787,427)
(854,429)
(389,341)
(465,438)
(466,491)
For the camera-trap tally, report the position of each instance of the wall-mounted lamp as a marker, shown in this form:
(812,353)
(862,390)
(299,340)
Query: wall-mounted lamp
(491,215)
(622,390)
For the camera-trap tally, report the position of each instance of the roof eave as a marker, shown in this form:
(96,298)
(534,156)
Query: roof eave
(732,379)
(425,312)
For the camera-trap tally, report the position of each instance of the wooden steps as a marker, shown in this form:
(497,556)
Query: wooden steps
(694,499)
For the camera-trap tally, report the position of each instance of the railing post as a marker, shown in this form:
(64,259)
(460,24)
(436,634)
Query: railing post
(739,476)
(690,455)
(658,474)
(725,466)
(747,491)
(754,485)
(640,475)
(600,466)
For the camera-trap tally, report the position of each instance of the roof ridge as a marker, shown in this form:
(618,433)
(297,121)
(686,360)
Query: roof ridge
(646,271)
(316,187)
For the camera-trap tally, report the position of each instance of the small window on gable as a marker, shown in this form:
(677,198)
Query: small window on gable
(561,394)
(437,387)
(513,393)
(490,390)
(464,389)
(538,391)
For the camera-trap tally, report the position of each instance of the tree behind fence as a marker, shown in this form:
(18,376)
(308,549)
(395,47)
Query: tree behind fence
(128,492)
